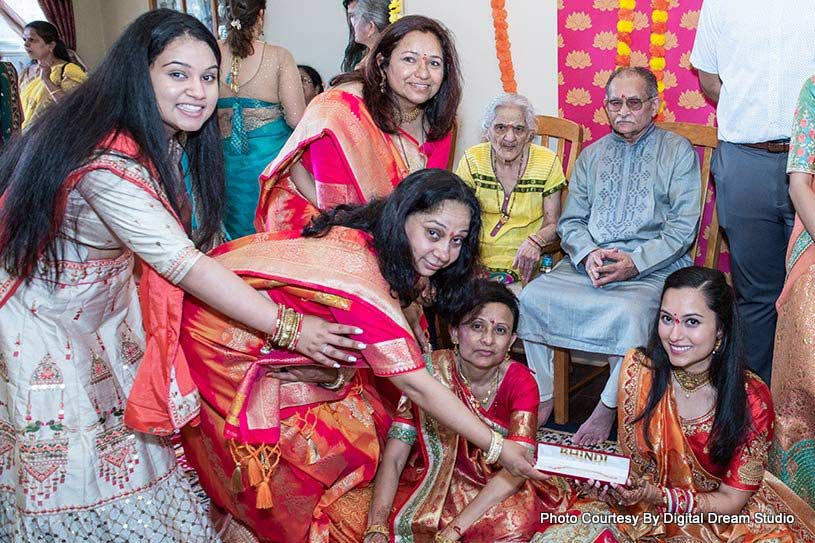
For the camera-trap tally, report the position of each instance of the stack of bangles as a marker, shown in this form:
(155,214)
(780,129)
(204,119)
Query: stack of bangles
(496,446)
(286,332)
(678,500)
(536,241)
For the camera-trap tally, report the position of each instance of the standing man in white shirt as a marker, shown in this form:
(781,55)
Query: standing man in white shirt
(752,57)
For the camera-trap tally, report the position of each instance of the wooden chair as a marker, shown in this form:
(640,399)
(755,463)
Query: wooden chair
(700,136)
(705,137)
(563,131)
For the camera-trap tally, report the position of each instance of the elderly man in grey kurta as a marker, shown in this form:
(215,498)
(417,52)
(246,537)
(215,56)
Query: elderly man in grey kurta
(629,221)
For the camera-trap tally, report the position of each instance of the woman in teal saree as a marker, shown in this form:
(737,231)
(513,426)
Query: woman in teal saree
(261,100)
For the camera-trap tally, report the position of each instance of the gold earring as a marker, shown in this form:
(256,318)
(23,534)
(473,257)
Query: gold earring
(507,356)
(455,349)
(717,346)
(383,84)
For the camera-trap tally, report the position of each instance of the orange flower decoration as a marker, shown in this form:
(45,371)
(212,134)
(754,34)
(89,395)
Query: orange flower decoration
(625,25)
(502,45)
(659,29)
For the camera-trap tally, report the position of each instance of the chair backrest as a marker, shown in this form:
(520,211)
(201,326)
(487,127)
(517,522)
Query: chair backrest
(564,131)
(705,137)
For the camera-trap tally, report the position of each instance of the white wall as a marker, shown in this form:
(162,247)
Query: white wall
(90,39)
(100,22)
(316,33)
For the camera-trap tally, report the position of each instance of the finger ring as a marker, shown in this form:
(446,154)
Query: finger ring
(324,348)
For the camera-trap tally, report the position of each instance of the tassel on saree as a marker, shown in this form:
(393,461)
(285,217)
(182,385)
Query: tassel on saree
(260,462)
(237,480)
(264,499)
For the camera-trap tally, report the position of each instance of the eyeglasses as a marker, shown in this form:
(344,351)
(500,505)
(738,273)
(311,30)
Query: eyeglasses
(518,129)
(633,104)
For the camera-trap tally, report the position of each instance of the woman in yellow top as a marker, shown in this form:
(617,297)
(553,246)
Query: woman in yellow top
(518,185)
(51,72)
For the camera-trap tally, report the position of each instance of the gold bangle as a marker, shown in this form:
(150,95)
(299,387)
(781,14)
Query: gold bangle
(496,446)
(286,332)
(439,538)
(377,529)
(336,384)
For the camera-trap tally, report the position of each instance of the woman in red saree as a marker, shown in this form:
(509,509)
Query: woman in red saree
(433,484)
(289,458)
(697,426)
(358,140)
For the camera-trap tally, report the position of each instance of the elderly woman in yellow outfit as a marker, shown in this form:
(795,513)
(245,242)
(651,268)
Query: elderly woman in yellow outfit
(51,72)
(518,185)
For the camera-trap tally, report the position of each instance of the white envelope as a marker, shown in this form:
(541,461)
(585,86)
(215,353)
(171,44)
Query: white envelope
(580,463)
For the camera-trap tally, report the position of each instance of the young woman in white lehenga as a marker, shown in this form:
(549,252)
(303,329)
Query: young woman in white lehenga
(93,186)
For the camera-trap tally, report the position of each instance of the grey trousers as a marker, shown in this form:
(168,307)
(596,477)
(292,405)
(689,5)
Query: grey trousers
(756,213)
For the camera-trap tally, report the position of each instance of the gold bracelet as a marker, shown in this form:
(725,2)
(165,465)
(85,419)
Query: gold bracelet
(439,538)
(337,383)
(534,241)
(377,529)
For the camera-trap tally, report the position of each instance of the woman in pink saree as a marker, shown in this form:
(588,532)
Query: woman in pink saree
(378,124)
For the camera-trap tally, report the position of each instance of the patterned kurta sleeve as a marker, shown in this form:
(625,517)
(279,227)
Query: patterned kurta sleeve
(746,468)
(802,141)
(140,221)
(573,226)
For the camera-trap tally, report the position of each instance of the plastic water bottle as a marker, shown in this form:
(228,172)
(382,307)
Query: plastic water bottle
(547,262)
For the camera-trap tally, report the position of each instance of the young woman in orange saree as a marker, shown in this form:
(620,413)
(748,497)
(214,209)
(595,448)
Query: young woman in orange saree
(358,140)
(697,427)
(289,458)
(440,489)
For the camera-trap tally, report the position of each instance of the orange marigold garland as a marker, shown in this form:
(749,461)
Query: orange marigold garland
(625,25)
(659,26)
(502,47)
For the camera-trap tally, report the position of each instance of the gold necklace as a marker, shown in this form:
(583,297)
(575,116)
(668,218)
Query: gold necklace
(690,382)
(490,391)
(233,75)
(408,117)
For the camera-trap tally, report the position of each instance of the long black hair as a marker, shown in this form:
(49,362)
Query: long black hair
(118,96)
(421,191)
(481,292)
(727,371)
(50,34)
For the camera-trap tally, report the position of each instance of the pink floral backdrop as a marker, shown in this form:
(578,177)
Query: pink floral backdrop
(587,47)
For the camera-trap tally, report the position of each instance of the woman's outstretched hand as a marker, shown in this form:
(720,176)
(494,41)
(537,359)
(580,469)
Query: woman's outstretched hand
(519,461)
(322,341)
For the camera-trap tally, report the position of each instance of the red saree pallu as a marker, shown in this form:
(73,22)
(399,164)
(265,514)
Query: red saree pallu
(678,458)
(351,160)
(289,459)
(445,472)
